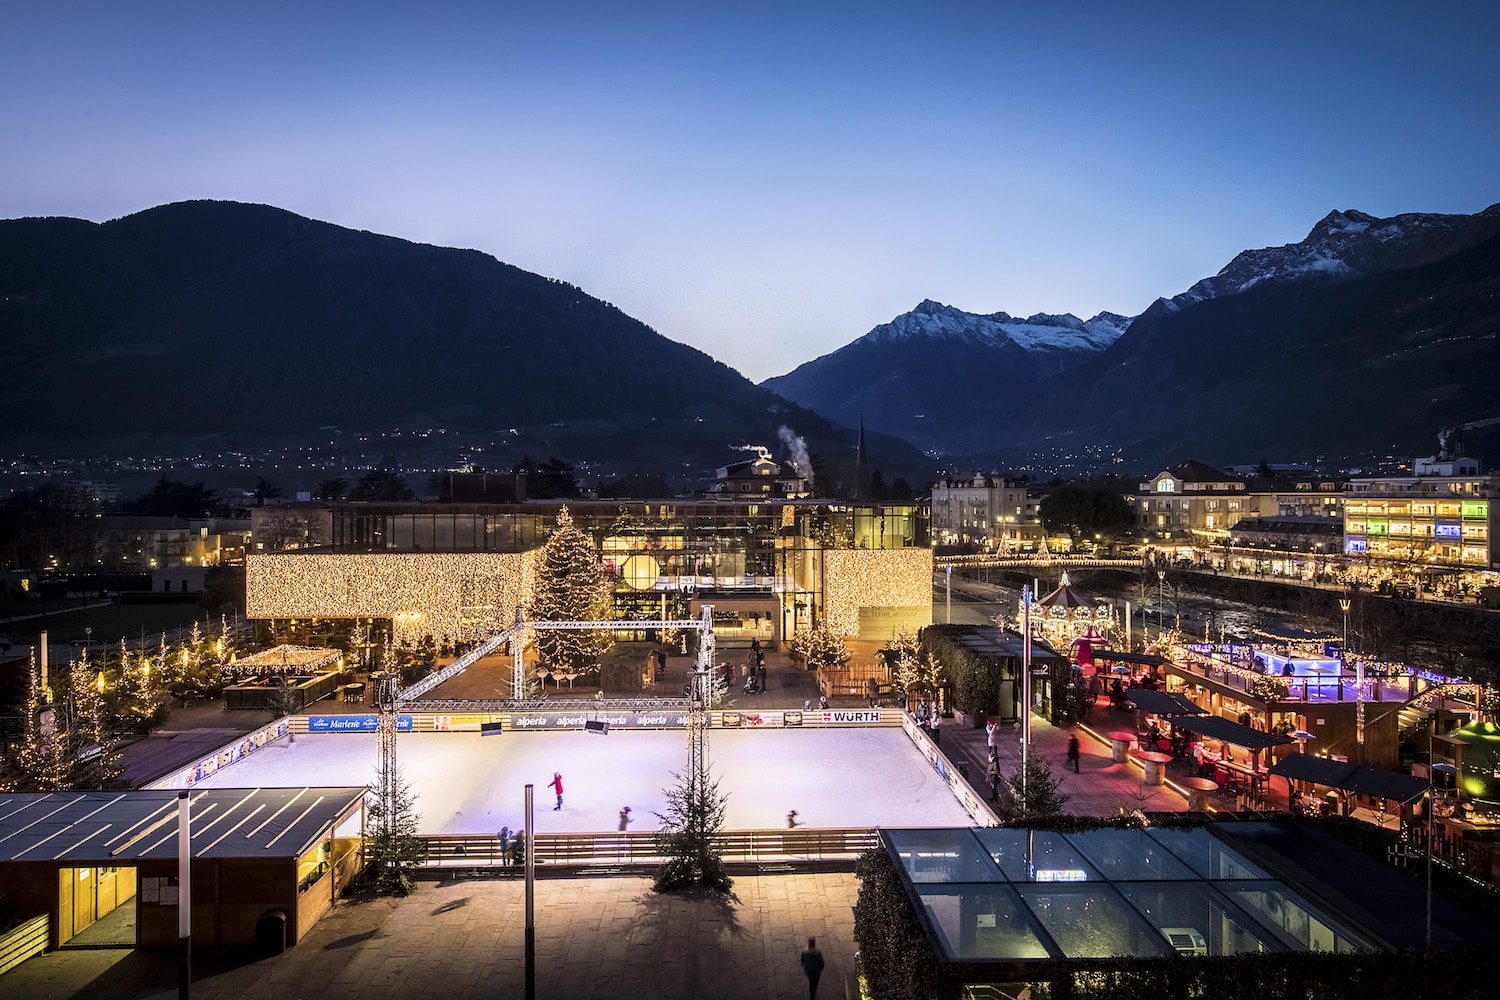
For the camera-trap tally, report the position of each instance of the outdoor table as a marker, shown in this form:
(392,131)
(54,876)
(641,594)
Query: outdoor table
(1237,773)
(1120,745)
(1155,762)
(1198,791)
(352,692)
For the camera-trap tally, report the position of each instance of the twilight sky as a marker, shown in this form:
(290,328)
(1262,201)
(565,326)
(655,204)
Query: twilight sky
(768,181)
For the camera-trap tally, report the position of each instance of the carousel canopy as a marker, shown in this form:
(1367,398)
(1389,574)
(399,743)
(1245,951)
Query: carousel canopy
(1065,597)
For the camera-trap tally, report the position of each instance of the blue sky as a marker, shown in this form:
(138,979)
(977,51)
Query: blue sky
(768,181)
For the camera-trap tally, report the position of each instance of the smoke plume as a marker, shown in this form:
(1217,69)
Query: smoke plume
(798,449)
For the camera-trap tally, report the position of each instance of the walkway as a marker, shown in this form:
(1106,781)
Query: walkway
(610,938)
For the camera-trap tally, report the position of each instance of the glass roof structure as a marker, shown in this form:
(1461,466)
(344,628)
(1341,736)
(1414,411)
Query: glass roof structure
(1011,895)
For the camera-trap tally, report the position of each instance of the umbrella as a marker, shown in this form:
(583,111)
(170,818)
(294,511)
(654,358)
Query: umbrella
(1119,668)
(1302,734)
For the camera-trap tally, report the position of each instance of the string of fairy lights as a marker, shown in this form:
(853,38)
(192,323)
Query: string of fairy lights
(873,578)
(452,596)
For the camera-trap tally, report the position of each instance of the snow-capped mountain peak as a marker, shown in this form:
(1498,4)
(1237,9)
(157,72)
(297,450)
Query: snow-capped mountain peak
(1041,333)
(1346,244)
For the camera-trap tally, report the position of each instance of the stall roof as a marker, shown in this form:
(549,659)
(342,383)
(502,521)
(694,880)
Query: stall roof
(1358,778)
(114,828)
(985,641)
(1144,659)
(1162,702)
(1216,728)
(1318,770)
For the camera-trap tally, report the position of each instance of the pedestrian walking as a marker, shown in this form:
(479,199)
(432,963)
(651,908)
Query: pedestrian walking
(937,720)
(624,818)
(518,847)
(1074,753)
(556,785)
(990,728)
(812,967)
(992,775)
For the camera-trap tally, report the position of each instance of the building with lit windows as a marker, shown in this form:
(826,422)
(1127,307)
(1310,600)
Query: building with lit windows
(1193,498)
(1441,515)
(458,571)
(1198,502)
(988,510)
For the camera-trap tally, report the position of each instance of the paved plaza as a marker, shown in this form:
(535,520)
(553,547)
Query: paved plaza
(610,938)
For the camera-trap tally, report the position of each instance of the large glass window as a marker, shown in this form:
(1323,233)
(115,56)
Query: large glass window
(1195,920)
(982,922)
(1092,921)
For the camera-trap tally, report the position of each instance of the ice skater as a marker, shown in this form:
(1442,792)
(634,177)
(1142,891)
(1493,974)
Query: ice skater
(791,820)
(556,785)
(624,818)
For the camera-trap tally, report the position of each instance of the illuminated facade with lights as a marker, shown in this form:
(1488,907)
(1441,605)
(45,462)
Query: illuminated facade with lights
(986,509)
(1441,515)
(457,571)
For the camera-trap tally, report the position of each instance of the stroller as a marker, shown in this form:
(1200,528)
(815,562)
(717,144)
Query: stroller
(752,684)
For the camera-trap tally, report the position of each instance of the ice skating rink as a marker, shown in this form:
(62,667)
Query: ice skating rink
(471,784)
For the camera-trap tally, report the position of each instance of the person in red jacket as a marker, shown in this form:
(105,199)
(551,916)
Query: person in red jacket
(556,785)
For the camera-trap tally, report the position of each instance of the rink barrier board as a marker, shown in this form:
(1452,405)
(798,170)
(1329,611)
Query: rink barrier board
(639,847)
(973,803)
(576,719)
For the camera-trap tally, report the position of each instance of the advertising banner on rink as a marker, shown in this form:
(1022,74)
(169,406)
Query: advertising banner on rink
(520,722)
(353,723)
(845,717)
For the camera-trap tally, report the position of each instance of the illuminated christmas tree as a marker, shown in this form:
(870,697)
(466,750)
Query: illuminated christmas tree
(570,588)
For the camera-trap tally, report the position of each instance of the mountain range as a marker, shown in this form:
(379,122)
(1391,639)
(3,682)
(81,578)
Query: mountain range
(1366,336)
(229,325)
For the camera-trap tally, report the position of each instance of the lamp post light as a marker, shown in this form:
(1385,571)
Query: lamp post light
(1161,601)
(1344,603)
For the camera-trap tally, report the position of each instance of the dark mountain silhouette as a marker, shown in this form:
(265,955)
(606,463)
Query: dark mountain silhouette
(1367,336)
(248,323)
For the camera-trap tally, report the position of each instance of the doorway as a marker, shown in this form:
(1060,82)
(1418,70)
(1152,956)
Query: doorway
(96,907)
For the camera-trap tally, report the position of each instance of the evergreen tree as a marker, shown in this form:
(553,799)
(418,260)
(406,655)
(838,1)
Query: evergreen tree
(1040,799)
(85,745)
(393,849)
(382,484)
(570,588)
(35,765)
(821,646)
(695,815)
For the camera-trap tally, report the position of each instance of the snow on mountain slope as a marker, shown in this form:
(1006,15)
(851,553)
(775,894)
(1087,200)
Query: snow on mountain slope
(1347,244)
(1035,334)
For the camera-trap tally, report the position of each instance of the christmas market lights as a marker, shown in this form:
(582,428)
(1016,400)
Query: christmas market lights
(875,578)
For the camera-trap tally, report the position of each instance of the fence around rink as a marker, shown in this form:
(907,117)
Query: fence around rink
(638,848)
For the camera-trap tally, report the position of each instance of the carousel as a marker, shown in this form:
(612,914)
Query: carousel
(1067,620)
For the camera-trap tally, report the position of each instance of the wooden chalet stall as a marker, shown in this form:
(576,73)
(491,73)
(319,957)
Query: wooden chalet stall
(103,865)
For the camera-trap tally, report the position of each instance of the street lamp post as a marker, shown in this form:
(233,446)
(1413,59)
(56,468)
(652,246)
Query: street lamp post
(1161,601)
(1344,649)
(1025,689)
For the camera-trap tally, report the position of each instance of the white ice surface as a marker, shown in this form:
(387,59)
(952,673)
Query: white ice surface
(471,784)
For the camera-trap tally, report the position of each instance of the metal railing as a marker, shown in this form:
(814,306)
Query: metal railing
(639,848)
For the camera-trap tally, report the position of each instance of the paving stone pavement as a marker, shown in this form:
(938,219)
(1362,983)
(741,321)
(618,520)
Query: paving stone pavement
(464,940)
